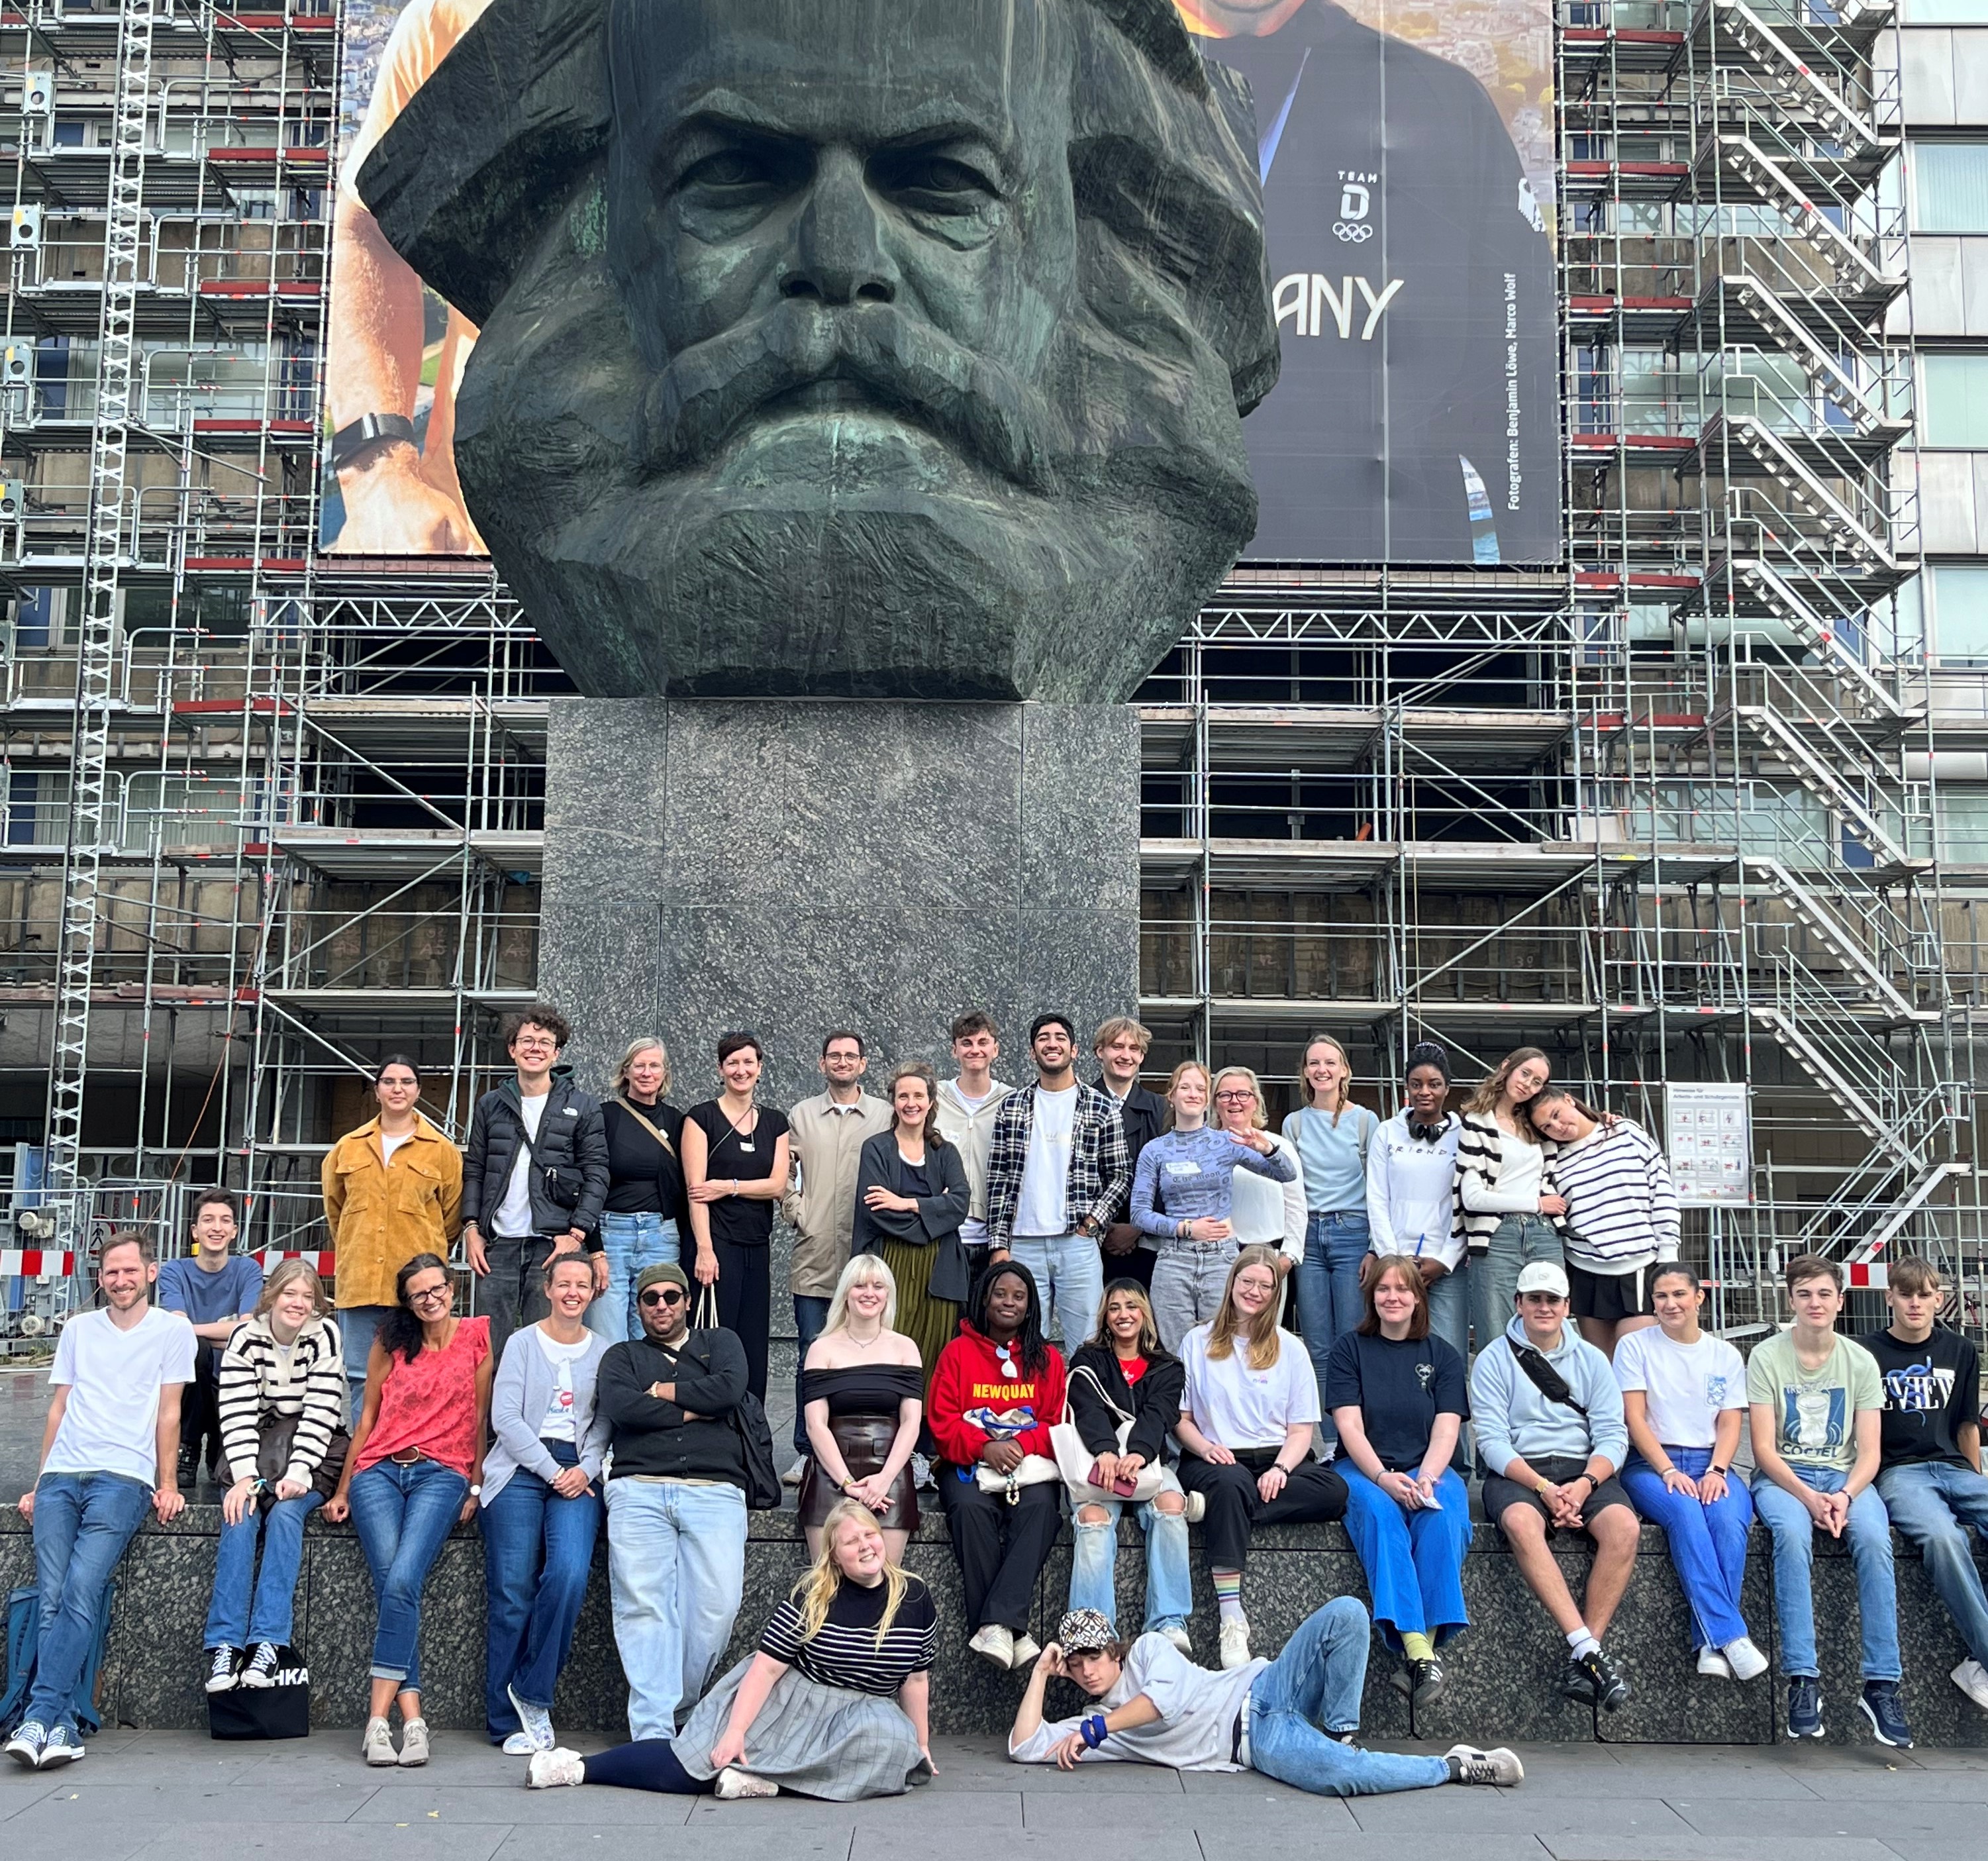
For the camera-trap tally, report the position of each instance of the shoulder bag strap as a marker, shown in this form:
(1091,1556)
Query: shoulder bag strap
(1544,1378)
(1097,1383)
(661,1136)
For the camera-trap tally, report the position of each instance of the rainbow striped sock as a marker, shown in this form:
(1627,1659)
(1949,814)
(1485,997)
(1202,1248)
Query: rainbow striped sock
(1229,1594)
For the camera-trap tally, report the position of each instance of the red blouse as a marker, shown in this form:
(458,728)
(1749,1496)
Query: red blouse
(429,1405)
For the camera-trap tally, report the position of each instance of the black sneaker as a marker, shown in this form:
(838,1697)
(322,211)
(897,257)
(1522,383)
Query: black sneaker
(1576,1683)
(224,1669)
(1804,1707)
(1880,1702)
(1427,1682)
(260,1670)
(1611,1691)
(189,1469)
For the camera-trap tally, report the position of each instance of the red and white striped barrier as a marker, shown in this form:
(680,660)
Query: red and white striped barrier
(326,1261)
(1873,1273)
(32,1263)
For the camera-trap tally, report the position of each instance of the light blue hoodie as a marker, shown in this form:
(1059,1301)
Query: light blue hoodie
(1513,1419)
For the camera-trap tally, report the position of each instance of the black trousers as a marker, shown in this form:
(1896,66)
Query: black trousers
(1313,1494)
(1136,1265)
(1002,1548)
(649,1764)
(745,1304)
(200,1406)
(513,1292)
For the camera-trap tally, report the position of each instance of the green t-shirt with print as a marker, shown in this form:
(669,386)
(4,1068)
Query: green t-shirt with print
(1815,1411)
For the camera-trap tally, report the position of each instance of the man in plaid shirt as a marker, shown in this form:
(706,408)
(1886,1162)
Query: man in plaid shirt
(1057,1175)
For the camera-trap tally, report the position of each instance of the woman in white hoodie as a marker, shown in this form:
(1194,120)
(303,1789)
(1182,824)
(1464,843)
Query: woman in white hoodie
(1411,1197)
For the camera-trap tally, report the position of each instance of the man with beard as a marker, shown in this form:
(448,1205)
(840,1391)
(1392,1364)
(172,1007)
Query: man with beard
(851,349)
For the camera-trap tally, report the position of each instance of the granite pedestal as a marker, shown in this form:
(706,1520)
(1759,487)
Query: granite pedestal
(792,866)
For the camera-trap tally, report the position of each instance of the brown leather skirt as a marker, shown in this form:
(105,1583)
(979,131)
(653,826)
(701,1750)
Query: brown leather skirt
(865,1441)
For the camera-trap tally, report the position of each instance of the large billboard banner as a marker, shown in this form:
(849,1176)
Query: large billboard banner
(1406,150)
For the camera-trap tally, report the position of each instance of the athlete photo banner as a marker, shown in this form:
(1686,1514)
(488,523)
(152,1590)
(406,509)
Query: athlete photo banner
(1407,158)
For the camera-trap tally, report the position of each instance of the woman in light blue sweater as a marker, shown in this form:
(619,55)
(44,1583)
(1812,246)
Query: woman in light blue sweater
(1182,1196)
(541,1505)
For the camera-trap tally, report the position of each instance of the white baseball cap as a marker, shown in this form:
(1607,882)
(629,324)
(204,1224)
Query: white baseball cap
(1543,1276)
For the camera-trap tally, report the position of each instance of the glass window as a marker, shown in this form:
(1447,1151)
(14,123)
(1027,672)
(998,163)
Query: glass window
(1956,400)
(1950,182)
(1960,613)
(1964,825)
(1945,12)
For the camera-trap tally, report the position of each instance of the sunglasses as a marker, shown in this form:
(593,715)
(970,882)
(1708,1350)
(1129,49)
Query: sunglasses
(662,1295)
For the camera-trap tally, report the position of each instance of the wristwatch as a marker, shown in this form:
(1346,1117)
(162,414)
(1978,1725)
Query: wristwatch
(1720,1470)
(367,431)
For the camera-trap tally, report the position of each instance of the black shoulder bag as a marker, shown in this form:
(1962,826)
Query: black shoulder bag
(1544,1378)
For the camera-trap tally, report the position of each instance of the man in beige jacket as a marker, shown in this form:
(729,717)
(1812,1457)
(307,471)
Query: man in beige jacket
(825,1134)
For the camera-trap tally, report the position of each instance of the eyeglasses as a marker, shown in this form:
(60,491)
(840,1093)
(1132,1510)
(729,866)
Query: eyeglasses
(662,1295)
(424,1295)
(1236,1098)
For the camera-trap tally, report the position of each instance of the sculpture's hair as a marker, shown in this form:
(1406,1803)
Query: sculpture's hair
(492,148)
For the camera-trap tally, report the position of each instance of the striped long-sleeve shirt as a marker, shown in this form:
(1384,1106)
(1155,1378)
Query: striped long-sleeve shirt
(255,1378)
(1483,1192)
(1622,1205)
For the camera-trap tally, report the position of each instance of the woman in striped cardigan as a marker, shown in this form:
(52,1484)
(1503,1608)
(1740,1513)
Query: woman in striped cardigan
(1504,1204)
(1621,1213)
(284,1361)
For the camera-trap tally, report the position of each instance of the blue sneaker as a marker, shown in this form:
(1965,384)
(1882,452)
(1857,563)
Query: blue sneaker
(63,1747)
(1805,1708)
(1880,1701)
(25,1747)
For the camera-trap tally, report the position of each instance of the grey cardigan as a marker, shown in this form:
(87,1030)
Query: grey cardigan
(518,1398)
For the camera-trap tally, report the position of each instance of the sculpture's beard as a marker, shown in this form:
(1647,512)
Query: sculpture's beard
(838,502)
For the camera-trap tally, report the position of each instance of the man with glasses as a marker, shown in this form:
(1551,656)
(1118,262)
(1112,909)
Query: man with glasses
(676,1500)
(1550,1431)
(534,1176)
(1056,1179)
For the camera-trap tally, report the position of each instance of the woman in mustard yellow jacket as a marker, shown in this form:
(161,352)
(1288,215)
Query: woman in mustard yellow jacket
(393,1189)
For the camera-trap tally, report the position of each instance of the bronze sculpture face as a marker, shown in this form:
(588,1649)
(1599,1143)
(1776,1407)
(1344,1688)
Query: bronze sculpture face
(846,348)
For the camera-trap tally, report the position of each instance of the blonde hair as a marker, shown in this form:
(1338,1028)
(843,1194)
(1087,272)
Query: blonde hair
(287,1273)
(864,1270)
(1258,1119)
(1179,1072)
(1261,1337)
(1485,1099)
(641,1044)
(1116,1028)
(1346,1074)
(818,1586)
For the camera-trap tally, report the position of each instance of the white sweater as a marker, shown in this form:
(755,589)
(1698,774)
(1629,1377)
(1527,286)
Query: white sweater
(1410,1208)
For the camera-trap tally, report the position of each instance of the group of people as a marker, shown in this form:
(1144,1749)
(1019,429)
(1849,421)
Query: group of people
(962,1342)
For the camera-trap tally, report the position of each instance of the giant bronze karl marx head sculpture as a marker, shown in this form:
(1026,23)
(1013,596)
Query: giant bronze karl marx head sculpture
(846,348)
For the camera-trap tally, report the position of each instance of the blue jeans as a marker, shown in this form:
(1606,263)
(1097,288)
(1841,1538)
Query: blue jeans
(630,1243)
(1708,1542)
(1188,1279)
(404,1516)
(1413,1561)
(83,1522)
(676,1563)
(537,1550)
(1516,1242)
(1934,1504)
(1069,1275)
(810,1315)
(232,1621)
(1449,1311)
(1869,1532)
(1312,1688)
(1329,1301)
(356,1326)
(1169,1593)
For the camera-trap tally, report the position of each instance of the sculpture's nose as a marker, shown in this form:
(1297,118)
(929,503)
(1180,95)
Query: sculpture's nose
(838,254)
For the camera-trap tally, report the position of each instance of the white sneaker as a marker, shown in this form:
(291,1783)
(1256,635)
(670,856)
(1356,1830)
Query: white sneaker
(549,1770)
(379,1745)
(1027,1651)
(1179,1638)
(995,1644)
(1713,1661)
(1972,1678)
(1745,1660)
(536,1721)
(921,1473)
(1500,1766)
(734,1785)
(1196,1508)
(1235,1644)
(414,1743)
(520,1745)
(792,1475)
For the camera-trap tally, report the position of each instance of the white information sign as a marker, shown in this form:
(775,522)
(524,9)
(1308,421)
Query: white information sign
(1711,1144)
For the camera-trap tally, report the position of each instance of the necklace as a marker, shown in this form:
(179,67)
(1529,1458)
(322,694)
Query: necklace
(862,1344)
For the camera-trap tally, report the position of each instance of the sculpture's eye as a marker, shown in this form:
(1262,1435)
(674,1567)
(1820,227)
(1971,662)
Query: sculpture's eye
(737,176)
(932,184)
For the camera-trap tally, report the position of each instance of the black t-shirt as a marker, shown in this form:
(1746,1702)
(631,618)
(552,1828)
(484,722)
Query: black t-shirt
(845,1652)
(643,1178)
(1399,1390)
(1931,1391)
(749,1155)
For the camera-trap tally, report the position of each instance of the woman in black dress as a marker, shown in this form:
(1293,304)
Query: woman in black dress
(863,1399)
(735,1169)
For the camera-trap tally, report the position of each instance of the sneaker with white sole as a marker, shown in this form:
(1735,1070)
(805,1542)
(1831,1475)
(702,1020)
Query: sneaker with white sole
(537,1722)
(921,1473)
(1178,1636)
(1235,1644)
(734,1785)
(1028,1651)
(260,1669)
(224,1669)
(1712,1662)
(1196,1508)
(63,1747)
(995,1644)
(379,1743)
(1500,1766)
(1972,1678)
(553,1770)
(414,1743)
(792,1475)
(1745,1660)
(25,1747)
(520,1745)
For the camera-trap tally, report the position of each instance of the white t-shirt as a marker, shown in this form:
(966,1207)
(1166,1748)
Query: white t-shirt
(1043,1208)
(111,1425)
(556,1424)
(1685,1385)
(388,1144)
(1240,1407)
(513,1219)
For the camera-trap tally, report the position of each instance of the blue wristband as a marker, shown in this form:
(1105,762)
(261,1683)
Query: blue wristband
(1094,1731)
